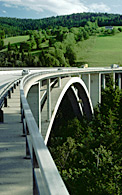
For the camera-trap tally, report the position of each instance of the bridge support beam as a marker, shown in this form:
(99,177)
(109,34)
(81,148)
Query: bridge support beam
(93,84)
(86,79)
(120,81)
(59,81)
(103,81)
(48,100)
(95,88)
(33,98)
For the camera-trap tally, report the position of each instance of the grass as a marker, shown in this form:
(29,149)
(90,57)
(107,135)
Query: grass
(16,39)
(96,51)
(101,51)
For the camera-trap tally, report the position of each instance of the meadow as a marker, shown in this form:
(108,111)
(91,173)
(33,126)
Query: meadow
(17,39)
(96,51)
(101,50)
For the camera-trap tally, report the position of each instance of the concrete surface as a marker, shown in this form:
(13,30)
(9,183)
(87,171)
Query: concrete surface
(15,169)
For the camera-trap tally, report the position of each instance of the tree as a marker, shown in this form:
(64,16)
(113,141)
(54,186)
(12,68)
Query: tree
(25,46)
(71,54)
(2,34)
(1,43)
(60,56)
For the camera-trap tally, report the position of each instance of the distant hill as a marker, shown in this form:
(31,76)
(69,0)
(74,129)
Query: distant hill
(15,26)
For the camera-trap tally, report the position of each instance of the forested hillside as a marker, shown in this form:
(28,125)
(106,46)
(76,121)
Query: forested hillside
(59,41)
(57,47)
(15,26)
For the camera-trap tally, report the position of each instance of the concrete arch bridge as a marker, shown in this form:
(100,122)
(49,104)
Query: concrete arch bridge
(44,93)
(41,95)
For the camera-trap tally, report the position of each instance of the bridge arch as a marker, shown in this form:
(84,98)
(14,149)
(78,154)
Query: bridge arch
(79,92)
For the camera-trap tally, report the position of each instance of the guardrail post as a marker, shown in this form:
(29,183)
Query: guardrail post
(1,116)
(14,86)
(9,94)
(27,144)
(5,101)
(23,121)
(34,166)
(48,100)
(12,89)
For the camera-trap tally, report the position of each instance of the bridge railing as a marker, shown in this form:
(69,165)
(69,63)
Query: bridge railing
(5,93)
(46,178)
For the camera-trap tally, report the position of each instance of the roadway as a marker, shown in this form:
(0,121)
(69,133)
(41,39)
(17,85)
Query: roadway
(8,76)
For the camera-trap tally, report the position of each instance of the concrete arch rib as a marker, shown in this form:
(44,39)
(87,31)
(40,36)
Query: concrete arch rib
(83,94)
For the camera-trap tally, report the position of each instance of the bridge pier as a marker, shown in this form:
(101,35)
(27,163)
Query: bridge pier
(120,81)
(93,84)
(48,100)
(86,79)
(103,81)
(59,81)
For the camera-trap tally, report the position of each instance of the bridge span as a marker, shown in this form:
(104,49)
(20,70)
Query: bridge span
(41,94)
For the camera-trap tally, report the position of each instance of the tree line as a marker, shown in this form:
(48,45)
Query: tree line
(16,26)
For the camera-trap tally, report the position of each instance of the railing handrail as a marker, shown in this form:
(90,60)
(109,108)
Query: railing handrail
(4,90)
(50,179)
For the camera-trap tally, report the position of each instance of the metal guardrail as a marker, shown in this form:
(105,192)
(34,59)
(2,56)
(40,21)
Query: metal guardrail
(6,92)
(46,178)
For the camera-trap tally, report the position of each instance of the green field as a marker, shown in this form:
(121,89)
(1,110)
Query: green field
(101,50)
(16,39)
(95,51)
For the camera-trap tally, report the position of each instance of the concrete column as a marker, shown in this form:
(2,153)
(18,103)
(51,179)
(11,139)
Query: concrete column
(40,83)
(119,81)
(114,79)
(59,81)
(103,81)
(95,88)
(48,100)
(39,107)
(86,79)
(33,98)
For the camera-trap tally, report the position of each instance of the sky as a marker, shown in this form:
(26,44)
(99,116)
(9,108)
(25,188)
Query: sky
(37,9)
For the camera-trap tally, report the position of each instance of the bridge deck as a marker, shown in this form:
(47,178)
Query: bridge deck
(15,170)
